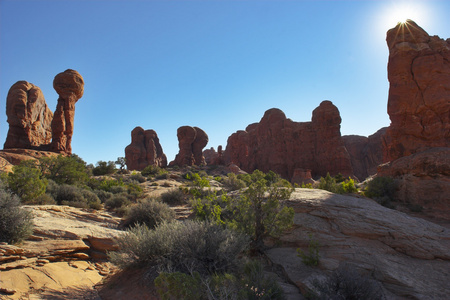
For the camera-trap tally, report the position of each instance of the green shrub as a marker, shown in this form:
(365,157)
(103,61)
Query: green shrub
(179,285)
(138,177)
(312,257)
(72,195)
(64,169)
(134,191)
(103,195)
(149,212)
(347,283)
(44,199)
(150,170)
(117,201)
(104,168)
(15,223)
(91,199)
(347,186)
(26,182)
(185,247)
(173,197)
(233,183)
(163,174)
(380,187)
(329,184)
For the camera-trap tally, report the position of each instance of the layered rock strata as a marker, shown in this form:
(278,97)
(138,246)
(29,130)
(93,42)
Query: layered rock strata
(191,141)
(144,150)
(279,144)
(29,117)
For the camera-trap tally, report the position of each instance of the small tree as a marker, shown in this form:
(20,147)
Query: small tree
(104,168)
(64,169)
(15,223)
(26,181)
(121,161)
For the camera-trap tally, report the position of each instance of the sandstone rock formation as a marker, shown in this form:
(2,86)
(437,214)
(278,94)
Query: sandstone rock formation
(28,116)
(64,256)
(212,157)
(409,256)
(70,87)
(419,92)
(282,145)
(424,179)
(191,141)
(144,150)
(366,153)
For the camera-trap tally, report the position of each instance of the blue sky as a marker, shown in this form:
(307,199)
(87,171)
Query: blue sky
(218,65)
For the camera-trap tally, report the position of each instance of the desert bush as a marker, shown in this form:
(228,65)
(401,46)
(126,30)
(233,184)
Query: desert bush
(258,211)
(149,212)
(311,258)
(162,174)
(64,169)
(104,168)
(150,171)
(134,191)
(91,199)
(72,195)
(177,285)
(138,177)
(185,247)
(103,195)
(15,222)
(173,197)
(347,186)
(381,187)
(26,182)
(256,285)
(347,283)
(44,199)
(328,183)
(117,201)
(233,183)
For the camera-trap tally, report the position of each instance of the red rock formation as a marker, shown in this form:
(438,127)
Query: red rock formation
(70,87)
(144,150)
(212,157)
(419,93)
(281,145)
(424,179)
(366,153)
(191,141)
(302,176)
(28,116)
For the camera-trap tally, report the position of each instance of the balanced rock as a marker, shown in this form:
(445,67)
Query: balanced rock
(28,116)
(419,92)
(279,144)
(144,150)
(70,87)
(191,141)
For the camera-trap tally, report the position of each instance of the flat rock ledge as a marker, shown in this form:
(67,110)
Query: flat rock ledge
(65,257)
(409,256)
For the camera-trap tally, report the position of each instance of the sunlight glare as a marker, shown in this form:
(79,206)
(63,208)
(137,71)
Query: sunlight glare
(399,12)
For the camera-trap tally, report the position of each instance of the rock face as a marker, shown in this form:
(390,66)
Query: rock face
(409,256)
(419,92)
(70,87)
(424,179)
(144,150)
(282,145)
(191,141)
(212,157)
(28,116)
(366,153)
(65,254)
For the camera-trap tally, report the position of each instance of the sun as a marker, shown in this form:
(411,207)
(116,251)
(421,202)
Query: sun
(401,11)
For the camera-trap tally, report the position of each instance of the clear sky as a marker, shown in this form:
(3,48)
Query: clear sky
(218,65)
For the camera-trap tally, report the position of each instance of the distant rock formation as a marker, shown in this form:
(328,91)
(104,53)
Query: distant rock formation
(366,153)
(144,150)
(28,116)
(191,141)
(419,92)
(70,87)
(282,145)
(212,157)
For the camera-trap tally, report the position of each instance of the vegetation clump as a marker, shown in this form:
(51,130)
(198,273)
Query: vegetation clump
(382,189)
(150,213)
(312,257)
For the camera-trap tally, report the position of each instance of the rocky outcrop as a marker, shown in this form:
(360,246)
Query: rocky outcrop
(419,92)
(191,141)
(409,256)
(144,150)
(65,254)
(70,87)
(282,145)
(366,153)
(212,157)
(12,157)
(423,179)
(29,117)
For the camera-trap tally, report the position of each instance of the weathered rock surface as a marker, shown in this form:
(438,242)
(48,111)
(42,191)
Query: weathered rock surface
(213,158)
(419,92)
(144,150)
(424,179)
(12,157)
(282,145)
(366,153)
(191,141)
(60,259)
(29,117)
(409,256)
(70,87)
